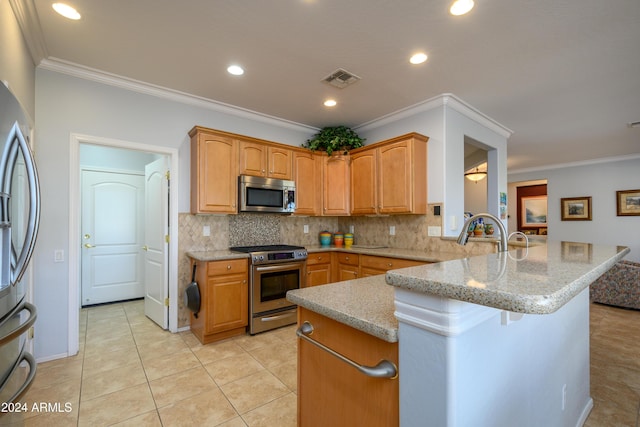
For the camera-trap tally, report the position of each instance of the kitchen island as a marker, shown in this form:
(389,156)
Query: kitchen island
(500,339)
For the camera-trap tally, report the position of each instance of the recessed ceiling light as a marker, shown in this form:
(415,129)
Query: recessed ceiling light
(66,11)
(330,103)
(418,58)
(460,7)
(236,70)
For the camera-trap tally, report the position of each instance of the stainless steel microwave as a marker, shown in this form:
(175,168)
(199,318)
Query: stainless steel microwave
(267,195)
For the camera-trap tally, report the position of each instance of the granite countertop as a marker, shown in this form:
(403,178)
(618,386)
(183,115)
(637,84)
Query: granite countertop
(215,255)
(538,280)
(412,254)
(365,304)
(362,250)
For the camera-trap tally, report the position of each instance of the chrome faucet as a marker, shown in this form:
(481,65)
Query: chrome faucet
(464,237)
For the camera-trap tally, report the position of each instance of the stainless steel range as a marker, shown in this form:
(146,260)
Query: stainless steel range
(275,269)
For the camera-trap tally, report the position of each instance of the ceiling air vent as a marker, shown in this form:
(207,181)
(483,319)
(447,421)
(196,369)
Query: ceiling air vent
(341,78)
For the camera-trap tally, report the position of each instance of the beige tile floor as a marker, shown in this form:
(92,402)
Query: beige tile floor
(131,373)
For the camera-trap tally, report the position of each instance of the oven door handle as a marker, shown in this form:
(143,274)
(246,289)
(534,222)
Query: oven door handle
(277,267)
(278,317)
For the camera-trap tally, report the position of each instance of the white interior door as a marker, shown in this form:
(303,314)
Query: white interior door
(112,233)
(156,305)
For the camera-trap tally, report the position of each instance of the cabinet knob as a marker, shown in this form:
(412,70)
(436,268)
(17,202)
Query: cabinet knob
(390,264)
(244,282)
(229,267)
(347,258)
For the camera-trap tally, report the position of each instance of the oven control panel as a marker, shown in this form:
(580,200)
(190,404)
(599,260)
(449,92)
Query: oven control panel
(275,257)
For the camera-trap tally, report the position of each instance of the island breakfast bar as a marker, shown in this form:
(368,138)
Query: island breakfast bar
(498,339)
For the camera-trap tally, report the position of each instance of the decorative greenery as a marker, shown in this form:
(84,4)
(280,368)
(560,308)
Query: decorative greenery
(334,138)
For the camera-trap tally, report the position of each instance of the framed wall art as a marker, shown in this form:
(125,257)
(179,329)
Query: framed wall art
(628,202)
(575,208)
(534,211)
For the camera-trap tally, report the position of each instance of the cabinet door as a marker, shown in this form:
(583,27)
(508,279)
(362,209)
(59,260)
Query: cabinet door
(227,303)
(347,272)
(363,182)
(307,171)
(253,159)
(319,274)
(394,178)
(279,163)
(402,176)
(214,173)
(335,173)
(332,393)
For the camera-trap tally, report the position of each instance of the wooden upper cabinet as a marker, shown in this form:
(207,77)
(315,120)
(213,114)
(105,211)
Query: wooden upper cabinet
(336,188)
(279,163)
(402,175)
(391,177)
(258,159)
(363,182)
(214,172)
(307,170)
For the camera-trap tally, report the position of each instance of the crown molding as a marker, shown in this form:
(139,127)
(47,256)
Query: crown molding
(443,100)
(86,73)
(27,17)
(576,164)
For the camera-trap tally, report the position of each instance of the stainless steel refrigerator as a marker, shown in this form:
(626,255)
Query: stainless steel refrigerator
(19,218)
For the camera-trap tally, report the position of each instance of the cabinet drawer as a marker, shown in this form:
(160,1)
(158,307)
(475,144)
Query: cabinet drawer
(229,266)
(319,258)
(350,259)
(385,263)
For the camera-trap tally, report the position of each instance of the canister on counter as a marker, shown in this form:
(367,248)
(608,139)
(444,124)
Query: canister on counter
(348,240)
(338,239)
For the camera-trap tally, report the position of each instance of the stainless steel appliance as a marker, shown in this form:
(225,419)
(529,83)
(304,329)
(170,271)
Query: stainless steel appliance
(268,195)
(19,218)
(275,269)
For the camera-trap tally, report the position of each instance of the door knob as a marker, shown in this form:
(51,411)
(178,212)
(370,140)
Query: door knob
(87,236)
(145,248)
(88,245)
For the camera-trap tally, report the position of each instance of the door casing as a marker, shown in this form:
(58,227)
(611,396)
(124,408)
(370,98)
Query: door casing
(76,140)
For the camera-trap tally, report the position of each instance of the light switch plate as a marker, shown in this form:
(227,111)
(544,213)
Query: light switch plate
(206,231)
(392,230)
(305,228)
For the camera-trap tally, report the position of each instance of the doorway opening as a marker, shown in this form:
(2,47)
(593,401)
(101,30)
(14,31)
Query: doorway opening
(106,164)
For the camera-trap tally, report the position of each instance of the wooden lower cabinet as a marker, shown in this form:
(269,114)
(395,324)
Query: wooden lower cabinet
(224,300)
(319,268)
(348,266)
(333,393)
(374,265)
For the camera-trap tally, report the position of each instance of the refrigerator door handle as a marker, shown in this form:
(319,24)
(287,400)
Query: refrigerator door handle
(16,332)
(24,357)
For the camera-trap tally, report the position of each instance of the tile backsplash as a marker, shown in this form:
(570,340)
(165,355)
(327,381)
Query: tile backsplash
(263,229)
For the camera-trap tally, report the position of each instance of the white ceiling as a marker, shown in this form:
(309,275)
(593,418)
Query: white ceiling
(564,75)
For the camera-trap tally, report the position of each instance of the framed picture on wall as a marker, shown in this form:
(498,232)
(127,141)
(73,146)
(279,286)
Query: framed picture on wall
(534,211)
(575,208)
(628,202)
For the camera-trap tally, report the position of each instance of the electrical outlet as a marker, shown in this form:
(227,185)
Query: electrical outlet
(434,231)
(58,255)
(206,231)
(305,228)
(351,229)
(392,230)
